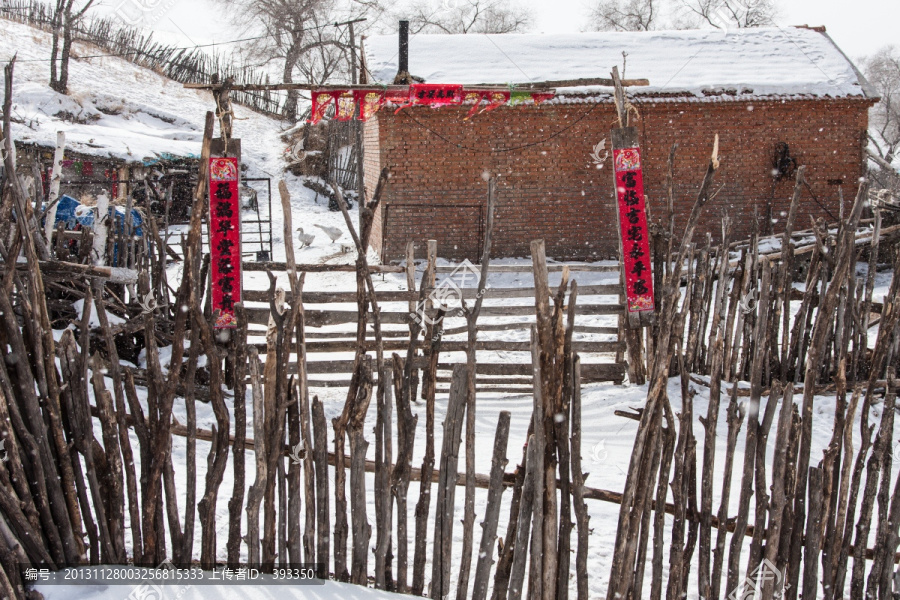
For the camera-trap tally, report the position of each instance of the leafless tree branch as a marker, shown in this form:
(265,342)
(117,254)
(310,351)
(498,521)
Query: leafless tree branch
(624,15)
(468,16)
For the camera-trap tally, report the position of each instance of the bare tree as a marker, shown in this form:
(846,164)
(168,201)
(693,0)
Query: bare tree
(469,16)
(729,13)
(882,69)
(296,35)
(66,16)
(326,55)
(646,15)
(624,15)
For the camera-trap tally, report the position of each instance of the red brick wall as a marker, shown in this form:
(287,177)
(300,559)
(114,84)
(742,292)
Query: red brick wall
(550,188)
(372,170)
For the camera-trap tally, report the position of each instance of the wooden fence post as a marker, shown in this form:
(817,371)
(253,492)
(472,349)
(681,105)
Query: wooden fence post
(443,519)
(492,512)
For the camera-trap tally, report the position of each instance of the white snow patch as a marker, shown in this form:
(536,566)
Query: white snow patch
(78,305)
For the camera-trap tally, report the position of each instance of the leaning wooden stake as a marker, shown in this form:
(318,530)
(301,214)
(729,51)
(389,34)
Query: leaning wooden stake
(433,337)
(443,520)
(382,482)
(517,575)
(562,419)
(779,496)
(236,503)
(492,512)
(323,514)
(582,518)
(299,544)
(880,460)
(255,495)
(294,537)
(709,582)
(340,424)
(124,440)
(115,477)
(507,547)
(219,451)
(753,429)
(362,531)
(406,432)
(536,570)
(406,380)
(462,589)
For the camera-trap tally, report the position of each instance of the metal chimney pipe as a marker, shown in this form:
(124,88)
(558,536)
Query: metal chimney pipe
(403,66)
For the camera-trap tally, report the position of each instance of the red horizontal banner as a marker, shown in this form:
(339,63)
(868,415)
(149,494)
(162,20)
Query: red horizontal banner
(435,95)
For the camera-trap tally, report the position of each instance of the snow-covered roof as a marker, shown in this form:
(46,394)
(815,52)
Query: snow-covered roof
(710,64)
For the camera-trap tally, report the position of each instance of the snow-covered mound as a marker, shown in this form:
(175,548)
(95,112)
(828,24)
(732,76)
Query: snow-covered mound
(116,108)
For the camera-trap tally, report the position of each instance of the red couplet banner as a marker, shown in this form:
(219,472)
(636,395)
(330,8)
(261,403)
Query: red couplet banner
(224,239)
(633,229)
(435,94)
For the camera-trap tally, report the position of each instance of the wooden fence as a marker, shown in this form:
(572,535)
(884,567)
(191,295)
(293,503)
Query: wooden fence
(65,490)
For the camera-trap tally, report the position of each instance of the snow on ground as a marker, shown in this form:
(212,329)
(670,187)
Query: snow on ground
(78,305)
(330,590)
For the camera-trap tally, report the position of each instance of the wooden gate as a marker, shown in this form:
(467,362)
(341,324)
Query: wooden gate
(504,349)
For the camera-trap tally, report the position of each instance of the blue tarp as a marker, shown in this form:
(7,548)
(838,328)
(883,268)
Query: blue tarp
(67,212)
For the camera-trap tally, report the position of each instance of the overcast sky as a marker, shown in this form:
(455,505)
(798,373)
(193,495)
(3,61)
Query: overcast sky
(858,26)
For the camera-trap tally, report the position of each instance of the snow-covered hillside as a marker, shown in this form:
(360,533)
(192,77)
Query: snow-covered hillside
(115,108)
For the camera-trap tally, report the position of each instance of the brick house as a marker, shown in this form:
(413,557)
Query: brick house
(770,94)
